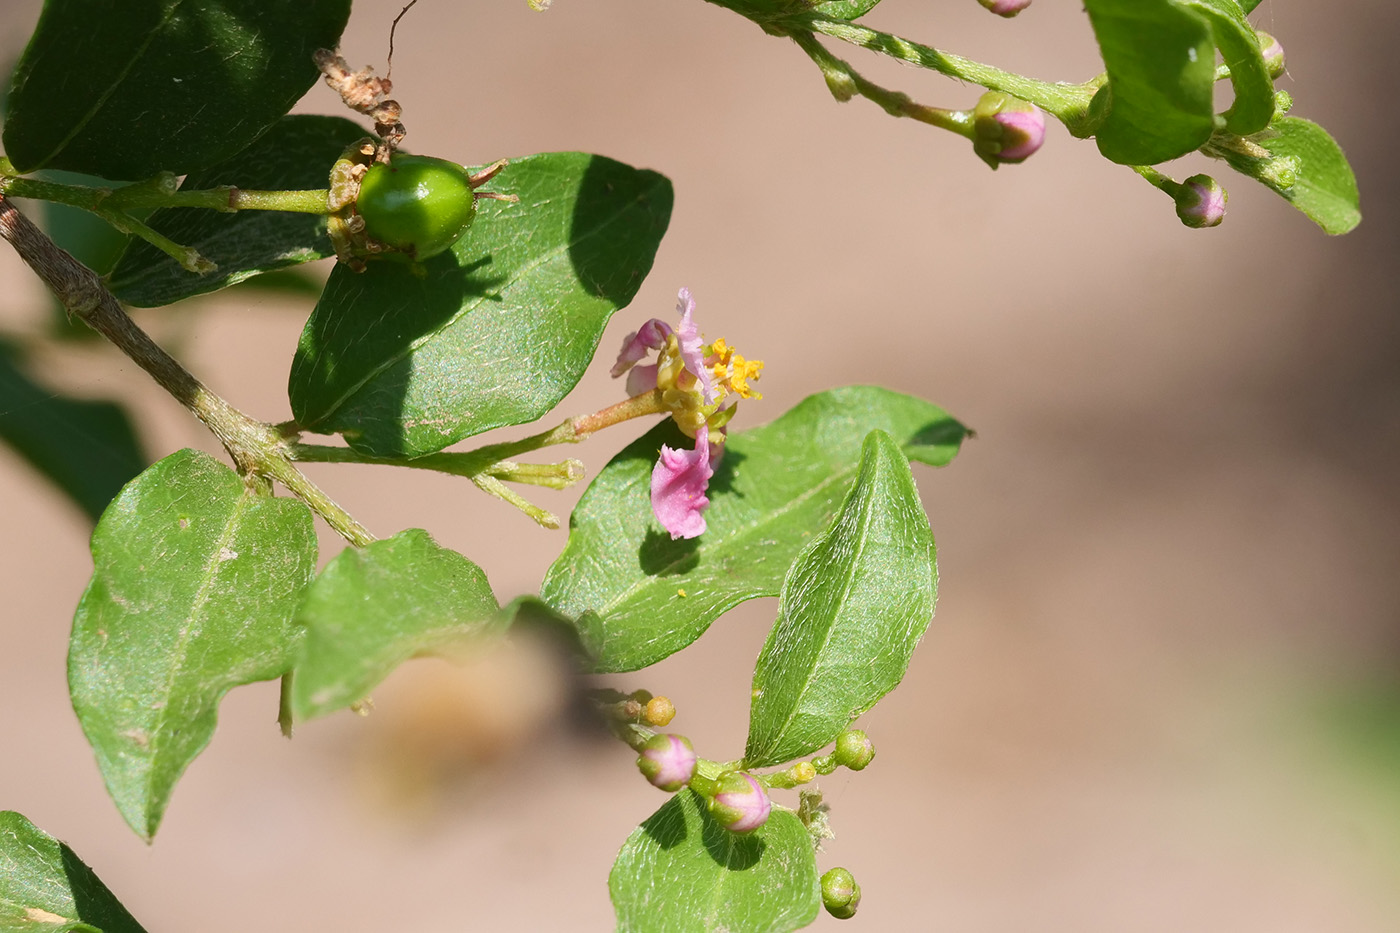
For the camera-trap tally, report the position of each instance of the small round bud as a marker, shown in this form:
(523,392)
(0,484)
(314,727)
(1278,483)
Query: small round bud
(854,750)
(1007,8)
(1283,102)
(660,711)
(804,772)
(667,761)
(417,204)
(1273,55)
(840,893)
(1006,129)
(740,805)
(1200,202)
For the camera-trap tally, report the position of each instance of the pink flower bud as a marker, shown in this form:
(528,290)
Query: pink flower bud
(1274,61)
(1200,202)
(741,805)
(667,761)
(1007,8)
(1006,129)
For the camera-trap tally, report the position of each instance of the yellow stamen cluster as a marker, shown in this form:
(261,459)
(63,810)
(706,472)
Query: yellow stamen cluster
(680,390)
(732,371)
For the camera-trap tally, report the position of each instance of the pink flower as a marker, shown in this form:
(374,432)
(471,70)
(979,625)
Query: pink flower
(678,484)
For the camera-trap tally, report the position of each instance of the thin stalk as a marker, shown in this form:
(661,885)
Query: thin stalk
(155,195)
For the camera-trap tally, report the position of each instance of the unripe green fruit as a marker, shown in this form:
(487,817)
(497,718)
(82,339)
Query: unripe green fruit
(417,204)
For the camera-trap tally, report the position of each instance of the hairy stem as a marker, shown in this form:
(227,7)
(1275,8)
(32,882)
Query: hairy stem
(257,449)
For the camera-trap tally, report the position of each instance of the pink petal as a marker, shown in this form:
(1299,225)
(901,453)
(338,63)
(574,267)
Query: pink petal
(641,379)
(688,335)
(652,336)
(678,484)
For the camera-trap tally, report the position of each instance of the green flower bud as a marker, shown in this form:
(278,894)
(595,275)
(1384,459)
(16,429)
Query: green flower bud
(840,893)
(854,750)
(417,204)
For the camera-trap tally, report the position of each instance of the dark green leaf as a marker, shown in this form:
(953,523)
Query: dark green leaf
(375,607)
(1305,165)
(854,605)
(297,153)
(194,586)
(623,577)
(1239,46)
(45,887)
(846,9)
(86,448)
(128,90)
(406,360)
(681,872)
(1160,58)
(90,239)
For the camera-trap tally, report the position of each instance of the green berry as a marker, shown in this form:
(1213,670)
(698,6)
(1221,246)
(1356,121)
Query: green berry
(840,893)
(417,204)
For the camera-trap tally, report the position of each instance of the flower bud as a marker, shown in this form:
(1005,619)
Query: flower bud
(854,750)
(1006,129)
(1007,8)
(740,805)
(1200,202)
(840,893)
(667,761)
(659,711)
(1273,55)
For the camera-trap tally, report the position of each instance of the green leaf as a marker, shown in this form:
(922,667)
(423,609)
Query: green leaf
(405,360)
(46,888)
(375,607)
(193,591)
(854,605)
(1304,164)
(127,90)
(86,448)
(681,872)
(1160,58)
(296,154)
(1249,5)
(622,577)
(846,9)
(1239,46)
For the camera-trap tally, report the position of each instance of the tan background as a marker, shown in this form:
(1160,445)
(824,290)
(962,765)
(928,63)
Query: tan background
(1163,675)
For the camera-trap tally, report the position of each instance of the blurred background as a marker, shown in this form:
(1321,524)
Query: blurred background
(1162,689)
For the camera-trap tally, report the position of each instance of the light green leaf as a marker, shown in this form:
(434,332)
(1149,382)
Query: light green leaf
(86,448)
(846,9)
(127,90)
(193,590)
(622,577)
(46,888)
(375,607)
(1239,46)
(1305,165)
(405,360)
(296,153)
(1160,58)
(681,872)
(854,605)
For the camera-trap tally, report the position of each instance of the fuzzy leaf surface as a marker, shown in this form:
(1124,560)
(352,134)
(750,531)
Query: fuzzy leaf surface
(46,888)
(1323,185)
(295,154)
(375,607)
(1239,47)
(854,604)
(681,872)
(1160,58)
(621,576)
(194,585)
(127,90)
(404,360)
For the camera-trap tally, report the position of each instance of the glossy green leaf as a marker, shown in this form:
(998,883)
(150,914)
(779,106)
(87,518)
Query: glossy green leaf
(639,596)
(854,605)
(127,90)
(405,360)
(1160,58)
(375,607)
(681,872)
(846,9)
(86,448)
(297,153)
(1239,47)
(193,590)
(1304,164)
(46,888)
